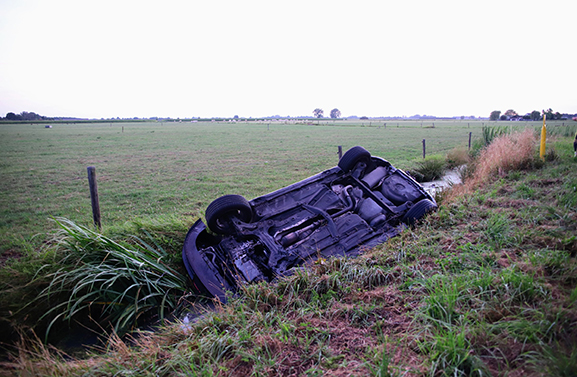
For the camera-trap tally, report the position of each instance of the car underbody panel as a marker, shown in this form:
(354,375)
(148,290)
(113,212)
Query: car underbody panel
(359,204)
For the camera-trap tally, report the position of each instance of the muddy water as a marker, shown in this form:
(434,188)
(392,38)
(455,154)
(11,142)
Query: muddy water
(451,177)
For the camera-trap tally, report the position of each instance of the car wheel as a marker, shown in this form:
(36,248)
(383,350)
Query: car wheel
(221,211)
(418,211)
(352,156)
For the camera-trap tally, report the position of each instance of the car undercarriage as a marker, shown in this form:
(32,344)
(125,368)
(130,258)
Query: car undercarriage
(358,204)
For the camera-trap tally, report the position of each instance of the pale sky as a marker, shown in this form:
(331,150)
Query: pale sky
(124,58)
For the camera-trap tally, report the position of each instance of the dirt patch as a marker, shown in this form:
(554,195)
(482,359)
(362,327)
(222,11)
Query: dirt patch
(342,342)
(505,353)
(238,367)
(289,360)
(9,255)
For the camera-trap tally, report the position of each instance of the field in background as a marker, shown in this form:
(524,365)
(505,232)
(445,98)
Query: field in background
(176,169)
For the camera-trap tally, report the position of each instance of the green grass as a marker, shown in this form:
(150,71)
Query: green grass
(484,286)
(145,170)
(430,169)
(121,284)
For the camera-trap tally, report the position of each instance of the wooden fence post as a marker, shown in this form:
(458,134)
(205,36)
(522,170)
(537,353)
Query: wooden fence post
(340,152)
(470,140)
(94,196)
(423,148)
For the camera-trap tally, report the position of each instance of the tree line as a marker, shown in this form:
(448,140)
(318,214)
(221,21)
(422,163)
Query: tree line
(533,115)
(25,115)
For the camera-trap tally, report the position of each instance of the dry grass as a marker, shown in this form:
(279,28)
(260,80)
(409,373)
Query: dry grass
(507,152)
(457,157)
(34,358)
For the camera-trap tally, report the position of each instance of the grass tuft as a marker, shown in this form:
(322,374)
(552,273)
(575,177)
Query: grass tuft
(122,284)
(430,169)
(452,355)
(561,362)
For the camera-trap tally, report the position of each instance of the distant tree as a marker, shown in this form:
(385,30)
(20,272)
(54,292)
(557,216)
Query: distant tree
(335,113)
(318,113)
(25,115)
(12,116)
(30,116)
(364,118)
(495,114)
(549,114)
(510,113)
(535,115)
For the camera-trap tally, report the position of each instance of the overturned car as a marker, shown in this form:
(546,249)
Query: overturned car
(362,202)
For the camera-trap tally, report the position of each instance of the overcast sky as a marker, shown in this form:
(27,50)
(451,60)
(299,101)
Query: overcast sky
(117,58)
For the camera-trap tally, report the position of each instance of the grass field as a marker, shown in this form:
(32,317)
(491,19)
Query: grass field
(150,170)
(154,169)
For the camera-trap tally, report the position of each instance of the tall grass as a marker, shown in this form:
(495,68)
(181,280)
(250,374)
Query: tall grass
(506,152)
(559,130)
(118,283)
(488,134)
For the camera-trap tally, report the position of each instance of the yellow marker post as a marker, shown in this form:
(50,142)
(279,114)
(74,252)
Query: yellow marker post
(543,138)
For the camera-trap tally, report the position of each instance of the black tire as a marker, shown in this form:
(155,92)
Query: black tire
(418,211)
(352,156)
(222,210)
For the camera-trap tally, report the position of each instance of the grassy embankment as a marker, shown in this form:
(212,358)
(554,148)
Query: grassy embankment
(487,284)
